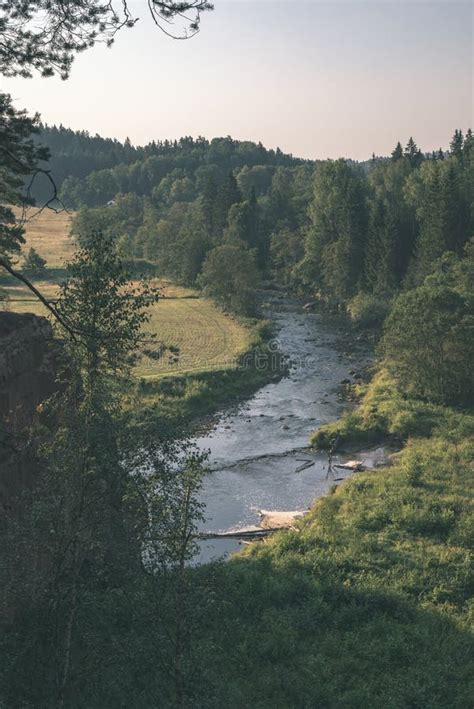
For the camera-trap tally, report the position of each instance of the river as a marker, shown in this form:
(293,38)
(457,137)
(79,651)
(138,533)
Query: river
(256,448)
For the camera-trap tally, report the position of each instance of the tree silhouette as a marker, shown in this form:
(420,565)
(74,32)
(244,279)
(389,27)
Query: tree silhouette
(45,35)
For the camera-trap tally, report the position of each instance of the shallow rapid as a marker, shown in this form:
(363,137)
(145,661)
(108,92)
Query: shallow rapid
(257,448)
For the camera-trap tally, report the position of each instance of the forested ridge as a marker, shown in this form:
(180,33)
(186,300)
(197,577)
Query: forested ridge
(75,157)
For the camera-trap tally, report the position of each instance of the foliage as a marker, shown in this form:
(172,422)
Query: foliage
(428,342)
(105,312)
(367,311)
(440,194)
(44,36)
(334,246)
(91,170)
(20,156)
(229,275)
(34,264)
(111,513)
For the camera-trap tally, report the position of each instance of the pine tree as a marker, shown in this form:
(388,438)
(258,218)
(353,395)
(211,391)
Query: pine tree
(468,147)
(227,195)
(208,206)
(456,145)
(19,157)
(413,153)
(397,153)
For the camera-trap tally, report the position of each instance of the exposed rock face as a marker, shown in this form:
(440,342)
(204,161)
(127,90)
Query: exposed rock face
(28,375)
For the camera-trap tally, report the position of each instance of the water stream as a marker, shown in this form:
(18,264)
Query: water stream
(256,449)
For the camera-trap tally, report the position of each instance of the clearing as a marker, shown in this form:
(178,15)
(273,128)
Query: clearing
(201,337)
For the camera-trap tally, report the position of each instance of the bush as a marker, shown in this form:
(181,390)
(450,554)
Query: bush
(413,467)
(229,276)
(428,343)
(368,311)
(34,264)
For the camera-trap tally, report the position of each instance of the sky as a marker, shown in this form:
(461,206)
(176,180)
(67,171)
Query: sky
(338,78)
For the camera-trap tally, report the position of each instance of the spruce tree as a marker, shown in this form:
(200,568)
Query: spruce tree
(208,206)
(468,147)
(397,152)
(456,145)
(336,238)
(227,195)
(413,153)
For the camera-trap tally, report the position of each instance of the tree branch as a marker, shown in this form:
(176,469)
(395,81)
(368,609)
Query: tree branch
(20,277)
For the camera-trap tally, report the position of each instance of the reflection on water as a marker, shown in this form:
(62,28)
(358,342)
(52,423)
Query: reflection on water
(256,449)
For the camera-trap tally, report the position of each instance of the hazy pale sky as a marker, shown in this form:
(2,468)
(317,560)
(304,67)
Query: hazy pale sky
(318,79)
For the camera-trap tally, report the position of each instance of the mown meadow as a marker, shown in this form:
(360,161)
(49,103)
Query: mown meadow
(196,334)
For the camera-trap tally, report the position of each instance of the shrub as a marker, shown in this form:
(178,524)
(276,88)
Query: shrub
(368,311)
(428,344)
(34,264)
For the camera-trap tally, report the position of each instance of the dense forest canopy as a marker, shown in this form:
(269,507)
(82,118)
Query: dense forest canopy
(226,215)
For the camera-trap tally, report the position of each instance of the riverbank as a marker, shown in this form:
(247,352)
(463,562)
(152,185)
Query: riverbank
(367,601)
(259,456)
(190,402)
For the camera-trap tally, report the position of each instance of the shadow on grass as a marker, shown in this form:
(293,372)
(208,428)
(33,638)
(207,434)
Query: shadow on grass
(293,637)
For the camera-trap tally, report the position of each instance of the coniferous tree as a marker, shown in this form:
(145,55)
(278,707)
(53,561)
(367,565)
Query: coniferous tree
(468,147)
(336,237)
(208,206)
(457,143)
(227,195)
(397,152)
(440,195)
(34,264)
(413,153)
(19,156)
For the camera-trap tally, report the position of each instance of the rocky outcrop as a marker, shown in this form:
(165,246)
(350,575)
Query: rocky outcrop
(29,363)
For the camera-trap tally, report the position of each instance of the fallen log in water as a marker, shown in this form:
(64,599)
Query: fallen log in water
(271,521)
(305,464)
(356,465)
(246,533)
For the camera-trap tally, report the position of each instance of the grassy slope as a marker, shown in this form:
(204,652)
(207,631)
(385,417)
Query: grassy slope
(369,603)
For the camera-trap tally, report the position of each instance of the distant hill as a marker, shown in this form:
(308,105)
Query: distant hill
(89,169)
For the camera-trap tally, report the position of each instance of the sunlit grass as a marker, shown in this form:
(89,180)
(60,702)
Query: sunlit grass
(198,337)
(48,234)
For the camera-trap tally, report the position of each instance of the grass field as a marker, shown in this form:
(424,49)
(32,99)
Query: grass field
(202,338)
(48,234)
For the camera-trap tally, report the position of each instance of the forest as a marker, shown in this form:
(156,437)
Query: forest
(365,598)
(388,236)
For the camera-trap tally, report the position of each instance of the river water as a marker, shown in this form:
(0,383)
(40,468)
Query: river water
(256,449)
